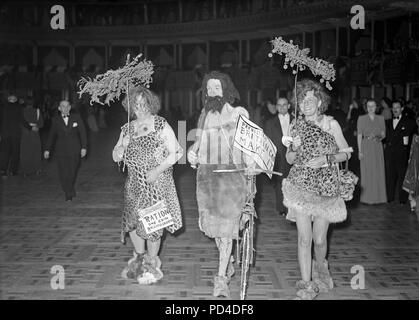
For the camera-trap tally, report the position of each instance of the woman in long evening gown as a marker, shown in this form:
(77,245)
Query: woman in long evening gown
(30,145)
(411,179)
(371,130)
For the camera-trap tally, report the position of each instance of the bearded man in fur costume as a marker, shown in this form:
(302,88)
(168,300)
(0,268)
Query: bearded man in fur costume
(221,197)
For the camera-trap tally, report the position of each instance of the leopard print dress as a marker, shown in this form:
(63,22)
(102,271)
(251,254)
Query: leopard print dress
(315,191)
(143,154)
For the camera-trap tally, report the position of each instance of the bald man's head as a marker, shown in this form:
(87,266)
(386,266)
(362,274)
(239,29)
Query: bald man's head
(282,105)
(64,107)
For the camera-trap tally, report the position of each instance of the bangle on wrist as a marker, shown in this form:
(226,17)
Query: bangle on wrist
(329,161)
(331,158)
(120,150)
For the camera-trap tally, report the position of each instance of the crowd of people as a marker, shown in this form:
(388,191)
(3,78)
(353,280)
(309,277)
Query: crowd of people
(313,140)
(384,138)
(314,189)
(31,128)
(381,134)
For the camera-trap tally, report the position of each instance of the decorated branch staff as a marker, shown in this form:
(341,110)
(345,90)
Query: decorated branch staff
(221,197)
(149,148)
(316,188)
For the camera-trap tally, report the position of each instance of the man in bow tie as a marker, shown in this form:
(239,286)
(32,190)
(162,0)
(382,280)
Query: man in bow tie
(399,132)
(70,134)
(275,129)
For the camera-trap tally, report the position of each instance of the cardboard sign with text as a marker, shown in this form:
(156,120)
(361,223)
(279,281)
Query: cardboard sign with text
(250,139)
(155,217)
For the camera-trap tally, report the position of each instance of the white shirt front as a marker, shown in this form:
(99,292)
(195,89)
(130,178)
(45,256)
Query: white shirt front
(396,121)
(285,123)
(65,120)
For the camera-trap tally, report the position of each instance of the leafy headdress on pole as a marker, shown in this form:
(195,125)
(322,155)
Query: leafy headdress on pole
(299,60)
(113,83)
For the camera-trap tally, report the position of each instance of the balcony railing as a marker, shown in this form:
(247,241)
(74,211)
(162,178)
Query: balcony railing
(106,13)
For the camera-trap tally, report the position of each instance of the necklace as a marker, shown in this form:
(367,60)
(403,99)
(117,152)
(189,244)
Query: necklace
(142,127)
(316,120)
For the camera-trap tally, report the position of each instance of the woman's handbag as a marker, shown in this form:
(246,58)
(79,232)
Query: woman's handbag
(347,181)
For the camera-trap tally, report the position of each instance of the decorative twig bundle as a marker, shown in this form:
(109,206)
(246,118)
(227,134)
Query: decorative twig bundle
(300,60)
(115,82)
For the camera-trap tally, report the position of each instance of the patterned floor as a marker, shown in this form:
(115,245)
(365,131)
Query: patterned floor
(38,230)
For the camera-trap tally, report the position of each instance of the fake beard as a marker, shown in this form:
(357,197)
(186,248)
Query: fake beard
(214,104)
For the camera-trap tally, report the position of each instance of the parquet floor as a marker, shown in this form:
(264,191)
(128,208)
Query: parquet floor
(39,230)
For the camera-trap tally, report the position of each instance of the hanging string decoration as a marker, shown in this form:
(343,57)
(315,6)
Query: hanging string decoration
(113,83)
(298,59)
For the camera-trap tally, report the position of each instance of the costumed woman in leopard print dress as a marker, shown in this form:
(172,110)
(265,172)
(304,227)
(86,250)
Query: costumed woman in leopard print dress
(149,150)
(315,189)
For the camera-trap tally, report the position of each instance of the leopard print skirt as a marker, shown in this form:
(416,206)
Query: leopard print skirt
(313,193)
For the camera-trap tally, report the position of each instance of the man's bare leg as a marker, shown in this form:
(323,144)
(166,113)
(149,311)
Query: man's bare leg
(225,247)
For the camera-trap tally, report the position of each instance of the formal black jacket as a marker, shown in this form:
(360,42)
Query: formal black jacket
(70,139)
(394,137)
(12,119)
(274,131)
(409,113)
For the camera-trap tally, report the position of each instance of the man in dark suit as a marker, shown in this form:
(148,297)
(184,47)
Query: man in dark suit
(407,111)
(70,134)
(399,132)
(275,129)
(10,135)
(268,112)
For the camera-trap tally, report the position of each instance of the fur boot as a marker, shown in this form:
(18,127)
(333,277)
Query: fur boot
(134,267)
(306,290)
(151,270)
(321,276)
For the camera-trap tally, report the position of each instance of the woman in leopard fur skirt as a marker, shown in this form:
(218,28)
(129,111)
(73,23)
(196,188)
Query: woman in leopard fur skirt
(315,189)
(149,148)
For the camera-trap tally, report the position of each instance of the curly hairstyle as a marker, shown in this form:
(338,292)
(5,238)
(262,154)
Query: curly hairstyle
(230,93)
(377,106)
(372,100)
(151,99)
(307,85)
(399,101)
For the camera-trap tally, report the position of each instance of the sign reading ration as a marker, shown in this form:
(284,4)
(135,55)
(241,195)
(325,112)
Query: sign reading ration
(155,217)
(250,139)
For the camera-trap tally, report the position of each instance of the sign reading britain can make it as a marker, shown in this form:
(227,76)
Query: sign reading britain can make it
(250,139)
